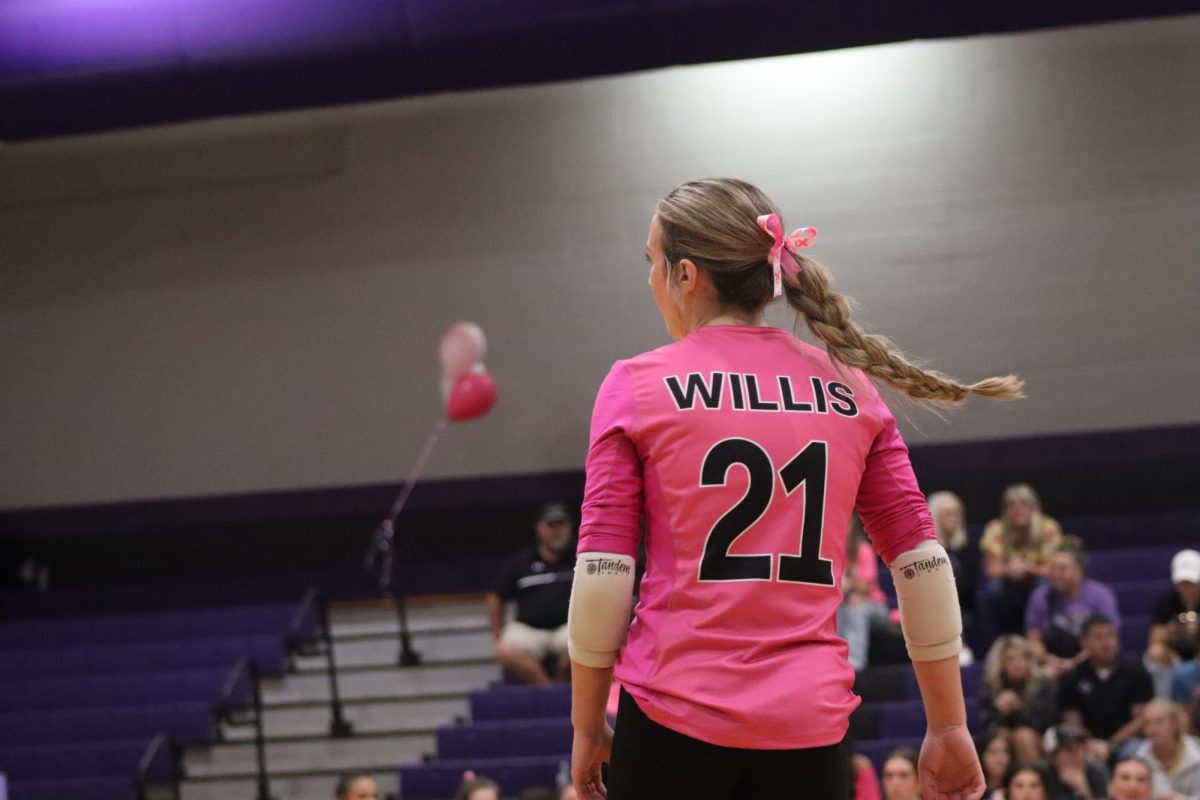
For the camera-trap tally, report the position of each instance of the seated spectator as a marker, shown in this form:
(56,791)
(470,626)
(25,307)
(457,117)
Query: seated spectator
(1016,696)
(995,756)
(900,775)
(1175,622)
(477,787)
(1026,781)
(1130,780)
(1105,693)
(1173,756)
(864,783)
(864,605)
(1073,776)
(539,580)
(949,518)
(1056,611)
(356,786)
(1015,550)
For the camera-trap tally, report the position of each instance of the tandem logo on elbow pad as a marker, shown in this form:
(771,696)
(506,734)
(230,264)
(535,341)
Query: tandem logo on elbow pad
(606,566)
(924,567)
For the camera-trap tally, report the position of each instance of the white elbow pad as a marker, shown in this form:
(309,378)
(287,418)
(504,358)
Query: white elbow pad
(600,599)
(929,613)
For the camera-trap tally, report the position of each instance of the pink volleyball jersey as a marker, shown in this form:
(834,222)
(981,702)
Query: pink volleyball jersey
(744,450)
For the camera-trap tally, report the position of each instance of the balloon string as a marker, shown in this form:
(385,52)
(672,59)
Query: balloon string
(417,469)
(386,533)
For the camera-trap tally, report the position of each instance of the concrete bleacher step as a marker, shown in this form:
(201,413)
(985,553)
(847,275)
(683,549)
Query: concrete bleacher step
(238,759)
(366,715)
(306,785)
(388,681)
(356,619)
(383,649)
(393,710)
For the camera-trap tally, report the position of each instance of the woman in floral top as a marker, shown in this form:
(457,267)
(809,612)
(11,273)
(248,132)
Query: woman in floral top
(1016,548)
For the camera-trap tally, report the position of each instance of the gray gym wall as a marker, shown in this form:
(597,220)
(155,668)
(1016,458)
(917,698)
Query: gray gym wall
(254,304)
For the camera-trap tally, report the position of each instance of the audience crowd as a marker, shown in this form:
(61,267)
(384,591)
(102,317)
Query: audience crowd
(1066,713)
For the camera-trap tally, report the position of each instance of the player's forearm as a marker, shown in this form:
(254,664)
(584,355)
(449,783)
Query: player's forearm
(589,696)
(941,691)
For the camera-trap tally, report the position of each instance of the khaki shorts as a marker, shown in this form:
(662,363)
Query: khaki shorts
(538,642)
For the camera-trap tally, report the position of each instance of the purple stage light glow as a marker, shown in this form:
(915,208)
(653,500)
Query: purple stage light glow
(40,38)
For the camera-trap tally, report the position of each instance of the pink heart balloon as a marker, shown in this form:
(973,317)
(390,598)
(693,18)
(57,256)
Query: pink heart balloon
(462,347)
(473,395)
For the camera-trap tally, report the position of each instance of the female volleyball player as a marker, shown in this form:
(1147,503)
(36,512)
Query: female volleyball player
(745,451)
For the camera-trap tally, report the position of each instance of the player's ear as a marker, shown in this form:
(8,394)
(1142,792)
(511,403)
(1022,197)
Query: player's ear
(688,277)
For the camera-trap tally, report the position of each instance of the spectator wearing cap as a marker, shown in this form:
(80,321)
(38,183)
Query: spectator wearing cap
(1175,622)
(1057,609)
(1131,780)
(1105,693)
(539,582)
(1073,775)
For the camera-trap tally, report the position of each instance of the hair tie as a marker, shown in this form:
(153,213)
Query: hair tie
(796,240)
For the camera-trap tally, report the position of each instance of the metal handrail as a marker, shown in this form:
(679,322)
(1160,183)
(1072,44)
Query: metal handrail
(339,727)
(260,743)
(156,744)
(226,701)
(304,612)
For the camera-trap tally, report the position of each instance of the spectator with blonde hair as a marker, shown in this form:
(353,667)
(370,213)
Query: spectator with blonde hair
(950,520)
(1016,550)
(1016,696)
(1173,755)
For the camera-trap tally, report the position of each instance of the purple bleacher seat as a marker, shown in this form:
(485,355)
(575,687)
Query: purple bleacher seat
(191,624)
(1135,633)
(91,788)
(439,780)
(127,689)
(1143,564)
(508,738)
(115,759)
(187,722)
(513,702)
(1115,532)
(1139,597)
(267,649)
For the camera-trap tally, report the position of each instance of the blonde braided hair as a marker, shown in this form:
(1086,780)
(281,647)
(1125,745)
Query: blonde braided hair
(712,223)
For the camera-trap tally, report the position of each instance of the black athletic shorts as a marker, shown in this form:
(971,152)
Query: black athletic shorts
(652,762)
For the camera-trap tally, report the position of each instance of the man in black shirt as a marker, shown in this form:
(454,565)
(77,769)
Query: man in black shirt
(539,581)
(1104,693)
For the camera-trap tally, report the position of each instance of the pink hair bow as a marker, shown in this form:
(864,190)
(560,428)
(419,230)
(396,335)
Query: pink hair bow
(796,240)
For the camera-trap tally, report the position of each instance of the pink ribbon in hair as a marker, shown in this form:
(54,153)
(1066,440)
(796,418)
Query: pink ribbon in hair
(796,240)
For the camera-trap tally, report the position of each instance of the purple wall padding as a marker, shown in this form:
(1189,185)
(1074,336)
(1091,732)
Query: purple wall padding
(71,66)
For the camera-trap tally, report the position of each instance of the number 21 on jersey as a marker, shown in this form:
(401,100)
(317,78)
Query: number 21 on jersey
(807,469)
